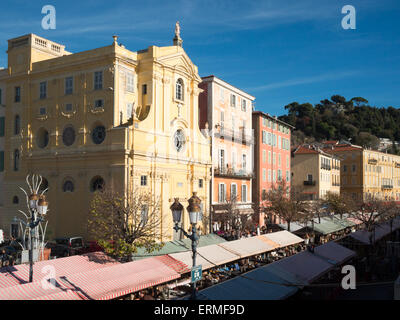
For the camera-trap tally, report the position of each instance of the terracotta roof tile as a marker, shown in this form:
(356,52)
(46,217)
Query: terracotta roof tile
(304,150)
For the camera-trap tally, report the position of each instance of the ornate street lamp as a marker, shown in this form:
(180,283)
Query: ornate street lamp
(37,206)
(195,216)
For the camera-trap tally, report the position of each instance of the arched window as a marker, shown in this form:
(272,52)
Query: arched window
(16,160)
(179,89)
(42,138)
(97,184)
(68,186)
(15,200)
(17,125)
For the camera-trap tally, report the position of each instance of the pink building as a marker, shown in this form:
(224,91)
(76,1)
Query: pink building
(227,112)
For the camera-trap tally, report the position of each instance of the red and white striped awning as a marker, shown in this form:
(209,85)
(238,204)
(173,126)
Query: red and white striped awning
(19,274)
(109,282)
(37,291)
(118,280)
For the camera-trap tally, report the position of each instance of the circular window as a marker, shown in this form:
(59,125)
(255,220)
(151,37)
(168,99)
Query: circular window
(42,138)
(68,186)
(179,140)
(68,136)
(99,134)
(97,184)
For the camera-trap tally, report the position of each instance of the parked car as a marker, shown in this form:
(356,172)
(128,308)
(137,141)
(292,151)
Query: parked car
(66,246)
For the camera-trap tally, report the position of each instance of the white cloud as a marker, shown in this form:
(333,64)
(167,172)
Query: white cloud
(305,80)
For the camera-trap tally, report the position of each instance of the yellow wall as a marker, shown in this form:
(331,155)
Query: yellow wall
(128,151)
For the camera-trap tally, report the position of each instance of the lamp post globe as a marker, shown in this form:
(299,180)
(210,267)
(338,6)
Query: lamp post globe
(42,206)
(33,201)
(177,210)
(194,209)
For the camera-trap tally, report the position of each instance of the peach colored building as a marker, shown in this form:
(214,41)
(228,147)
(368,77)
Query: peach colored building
(271,156)
(226,111)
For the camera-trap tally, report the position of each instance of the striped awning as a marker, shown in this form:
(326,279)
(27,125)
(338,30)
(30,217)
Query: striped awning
(41,291)
(118,280)
(110,281)
(19,274)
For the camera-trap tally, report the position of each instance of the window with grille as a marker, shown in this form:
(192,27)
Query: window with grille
(69,85)
(98,80)
(17,97)
(244,105)
(233,191)
(221,193)
(43,90)
(244,193)
(130,83)
(16,160)
(2,126)
(179,89)
(233,100)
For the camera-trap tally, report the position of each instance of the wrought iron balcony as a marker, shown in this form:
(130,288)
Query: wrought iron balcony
(372,161)
(325,166)
(232,173)
(387,186)
(238,136)
(309,183)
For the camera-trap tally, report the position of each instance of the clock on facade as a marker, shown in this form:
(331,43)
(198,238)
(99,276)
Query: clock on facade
(179,140)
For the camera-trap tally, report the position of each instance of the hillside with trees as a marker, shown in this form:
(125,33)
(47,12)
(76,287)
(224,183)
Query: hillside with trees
(338,119)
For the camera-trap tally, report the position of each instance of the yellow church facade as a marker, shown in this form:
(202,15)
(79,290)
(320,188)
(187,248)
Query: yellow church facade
(104,117)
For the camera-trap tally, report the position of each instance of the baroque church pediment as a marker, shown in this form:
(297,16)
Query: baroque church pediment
(180,62)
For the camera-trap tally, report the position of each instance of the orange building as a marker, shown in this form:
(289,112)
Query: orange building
(271,156)
(226,111)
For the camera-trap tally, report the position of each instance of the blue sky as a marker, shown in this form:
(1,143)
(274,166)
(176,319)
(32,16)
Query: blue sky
(278,51)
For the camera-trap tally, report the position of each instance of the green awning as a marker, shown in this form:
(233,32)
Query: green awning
(328,226)
(178,246)
(344,221)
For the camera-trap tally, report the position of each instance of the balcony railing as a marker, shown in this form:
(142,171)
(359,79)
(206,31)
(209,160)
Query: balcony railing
(233,173)
(238,136)
(372,161)
(325,166)
(397,165)
(309,183)
(387,186)
(335,184)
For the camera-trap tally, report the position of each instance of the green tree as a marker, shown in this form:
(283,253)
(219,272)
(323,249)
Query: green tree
(359,100)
